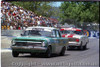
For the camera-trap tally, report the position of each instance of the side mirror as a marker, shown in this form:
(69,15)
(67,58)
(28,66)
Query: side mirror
(21,34)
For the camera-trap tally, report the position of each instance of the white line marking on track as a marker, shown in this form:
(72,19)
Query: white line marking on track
(6,50)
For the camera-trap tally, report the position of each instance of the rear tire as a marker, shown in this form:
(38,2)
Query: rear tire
(62,53)
(85,46)
(80,47)
(15,53)
(48,52)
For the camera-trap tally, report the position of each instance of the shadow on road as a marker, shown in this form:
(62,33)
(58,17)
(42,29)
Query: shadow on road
(40,56)
(43,55)
(78,49)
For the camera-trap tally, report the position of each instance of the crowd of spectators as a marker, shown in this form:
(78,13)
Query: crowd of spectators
(15,17)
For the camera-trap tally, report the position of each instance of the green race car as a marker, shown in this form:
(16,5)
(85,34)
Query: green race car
(34,40)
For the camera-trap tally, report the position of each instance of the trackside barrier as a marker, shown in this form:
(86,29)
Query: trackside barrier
(18,32)
(97,34)
(92,33)
(11,32)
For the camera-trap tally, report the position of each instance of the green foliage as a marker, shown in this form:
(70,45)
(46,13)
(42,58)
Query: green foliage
(45,9)
(79,12)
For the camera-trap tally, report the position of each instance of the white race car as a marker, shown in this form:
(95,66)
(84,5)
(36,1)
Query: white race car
(76,36)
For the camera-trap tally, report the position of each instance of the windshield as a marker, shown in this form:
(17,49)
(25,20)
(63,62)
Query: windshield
(72,32)
(37,33)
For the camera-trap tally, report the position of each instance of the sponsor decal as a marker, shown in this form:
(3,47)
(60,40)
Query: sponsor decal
(87,33)
(91,33)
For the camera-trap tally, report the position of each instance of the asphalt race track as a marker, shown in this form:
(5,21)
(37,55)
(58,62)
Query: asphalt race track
(72,58)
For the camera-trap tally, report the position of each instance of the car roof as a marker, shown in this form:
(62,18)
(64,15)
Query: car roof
(40,27)
(73,29)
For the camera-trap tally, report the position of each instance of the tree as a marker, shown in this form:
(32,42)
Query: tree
(73,12)
(45,9)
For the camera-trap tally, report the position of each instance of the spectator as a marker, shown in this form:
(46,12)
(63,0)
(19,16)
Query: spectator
(15,17)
